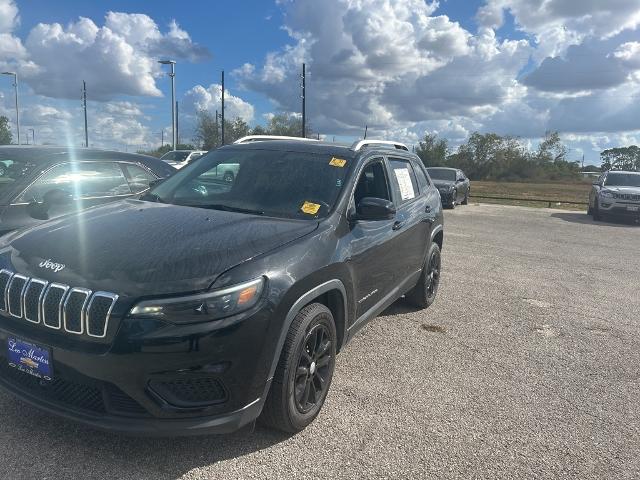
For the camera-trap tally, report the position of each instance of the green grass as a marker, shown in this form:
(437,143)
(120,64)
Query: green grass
(557,192)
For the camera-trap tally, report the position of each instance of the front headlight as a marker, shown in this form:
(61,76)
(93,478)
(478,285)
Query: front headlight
(606,193)
(203,307)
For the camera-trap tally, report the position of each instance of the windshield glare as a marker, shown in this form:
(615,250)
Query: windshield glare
(273,183)
(442,174)
(623,180)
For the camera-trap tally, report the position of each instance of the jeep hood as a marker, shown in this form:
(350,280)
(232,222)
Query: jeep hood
(136,248)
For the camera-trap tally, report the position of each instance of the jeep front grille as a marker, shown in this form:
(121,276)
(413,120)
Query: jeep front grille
(55,305)
(627,196)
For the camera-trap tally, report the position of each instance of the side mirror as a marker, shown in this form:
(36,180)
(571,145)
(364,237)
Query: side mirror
(57,197)
(156,182)
(371,208)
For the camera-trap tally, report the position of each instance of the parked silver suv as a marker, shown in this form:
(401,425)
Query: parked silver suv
(615,193)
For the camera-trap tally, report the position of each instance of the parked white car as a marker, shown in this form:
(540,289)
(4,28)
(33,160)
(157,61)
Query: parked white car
(180,158)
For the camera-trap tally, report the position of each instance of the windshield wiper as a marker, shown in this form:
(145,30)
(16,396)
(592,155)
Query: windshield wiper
(229,208)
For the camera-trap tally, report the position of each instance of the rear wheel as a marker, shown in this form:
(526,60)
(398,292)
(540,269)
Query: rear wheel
(425,291)
(305,370)
(3,170)
(466,198)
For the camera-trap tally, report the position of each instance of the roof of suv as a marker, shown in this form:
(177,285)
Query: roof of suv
(344,151)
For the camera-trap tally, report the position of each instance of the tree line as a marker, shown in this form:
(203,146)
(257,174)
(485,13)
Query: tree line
(493,157)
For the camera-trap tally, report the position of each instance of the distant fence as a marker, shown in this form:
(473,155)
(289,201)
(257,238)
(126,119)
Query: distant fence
(549,202)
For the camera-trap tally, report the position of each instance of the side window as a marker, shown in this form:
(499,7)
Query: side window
(169,156)
(422,177)
(139,178)
(372,183)
(80,180)
(403,180)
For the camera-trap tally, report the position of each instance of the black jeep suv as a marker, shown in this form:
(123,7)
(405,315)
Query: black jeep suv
(205,303)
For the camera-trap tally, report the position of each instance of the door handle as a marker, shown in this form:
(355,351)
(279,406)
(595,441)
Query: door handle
(397,225)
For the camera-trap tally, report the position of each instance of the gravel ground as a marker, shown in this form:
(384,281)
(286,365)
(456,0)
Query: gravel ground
(527,366)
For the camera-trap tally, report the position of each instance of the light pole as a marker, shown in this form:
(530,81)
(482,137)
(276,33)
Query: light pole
(15,86)
(172,74)
(33,136)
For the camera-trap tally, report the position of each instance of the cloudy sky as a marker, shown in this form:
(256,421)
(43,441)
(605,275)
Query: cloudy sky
(402,67)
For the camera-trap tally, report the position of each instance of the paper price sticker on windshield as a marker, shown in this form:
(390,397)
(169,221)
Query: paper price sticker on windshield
(337,162)
(310,208)
(404,183)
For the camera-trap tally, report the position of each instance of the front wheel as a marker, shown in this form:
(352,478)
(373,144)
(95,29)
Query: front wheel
(305,370)
(466,198)
(596,212)
(424,293)
(454,198)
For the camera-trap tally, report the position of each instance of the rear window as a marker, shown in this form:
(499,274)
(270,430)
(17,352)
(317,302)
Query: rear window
(442,174)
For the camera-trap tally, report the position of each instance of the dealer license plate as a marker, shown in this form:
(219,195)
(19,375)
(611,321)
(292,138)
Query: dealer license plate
(30,358)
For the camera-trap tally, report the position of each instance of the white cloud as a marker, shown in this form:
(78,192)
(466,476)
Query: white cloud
(210,99)
(118,58)
(556,24)
(9,18)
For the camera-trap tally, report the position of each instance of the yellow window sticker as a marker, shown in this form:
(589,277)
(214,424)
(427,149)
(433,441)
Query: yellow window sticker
(310,208)
(337,162)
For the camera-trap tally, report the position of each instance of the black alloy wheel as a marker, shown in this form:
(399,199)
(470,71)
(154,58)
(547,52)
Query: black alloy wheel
(313,372)
(426,290)
(303,376)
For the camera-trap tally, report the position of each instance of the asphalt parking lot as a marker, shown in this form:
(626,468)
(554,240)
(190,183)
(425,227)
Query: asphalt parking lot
(527,366)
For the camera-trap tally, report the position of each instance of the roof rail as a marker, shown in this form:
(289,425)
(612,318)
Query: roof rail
(357,145)
(263,138)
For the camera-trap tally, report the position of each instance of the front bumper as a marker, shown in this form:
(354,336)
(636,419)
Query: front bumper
(617,207)
(153,379)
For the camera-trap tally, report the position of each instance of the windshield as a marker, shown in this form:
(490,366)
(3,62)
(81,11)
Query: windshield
(261,182)
(442,174)
(615,179)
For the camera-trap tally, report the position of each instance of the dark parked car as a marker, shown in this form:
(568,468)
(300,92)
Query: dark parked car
(207,302)
(40,183)
(453,185)
(615,193)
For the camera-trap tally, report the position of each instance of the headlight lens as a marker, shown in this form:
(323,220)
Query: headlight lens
(606,193)
(203,307)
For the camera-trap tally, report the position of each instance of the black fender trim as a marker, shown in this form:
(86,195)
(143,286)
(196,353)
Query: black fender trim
(299,304)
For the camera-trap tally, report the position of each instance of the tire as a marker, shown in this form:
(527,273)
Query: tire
(454,197)
(311,340)
(3,170)
(589,210)
(426,290)
(466,199)
(596,212)
(228,177)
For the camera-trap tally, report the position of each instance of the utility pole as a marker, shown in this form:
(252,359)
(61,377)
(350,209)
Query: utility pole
(217,129)
(162,138)
(33,136)
(172,74)
(177,130)
(222,107)
(15,87)
(304,101)
(84,106)
(366,127)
